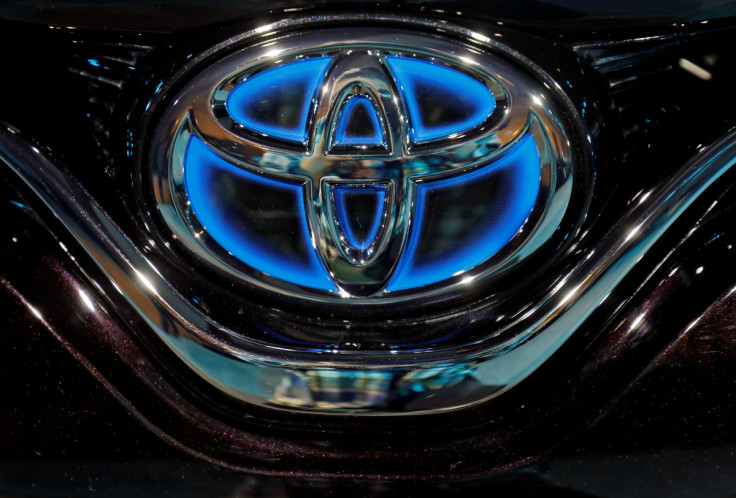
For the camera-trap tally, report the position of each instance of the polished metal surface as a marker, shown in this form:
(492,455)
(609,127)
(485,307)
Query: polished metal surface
(523,106)
(295,378)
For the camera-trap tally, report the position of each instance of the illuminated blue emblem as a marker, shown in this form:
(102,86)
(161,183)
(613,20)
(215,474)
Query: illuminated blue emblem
(365,171)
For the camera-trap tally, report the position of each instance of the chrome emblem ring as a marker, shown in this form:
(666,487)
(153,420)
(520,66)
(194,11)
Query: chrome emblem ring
(362,164)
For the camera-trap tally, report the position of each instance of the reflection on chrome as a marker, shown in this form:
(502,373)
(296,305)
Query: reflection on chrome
(86,300)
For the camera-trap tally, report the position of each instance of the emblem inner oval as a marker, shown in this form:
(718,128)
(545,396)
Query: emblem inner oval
(362,164)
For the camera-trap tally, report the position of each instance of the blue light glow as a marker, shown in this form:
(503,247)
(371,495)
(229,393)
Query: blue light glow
(346,220)
(277,102)
(345,136)
(204,171)
(518,170)
(470,100)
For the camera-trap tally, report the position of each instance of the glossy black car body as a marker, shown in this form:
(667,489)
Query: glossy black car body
(637,401)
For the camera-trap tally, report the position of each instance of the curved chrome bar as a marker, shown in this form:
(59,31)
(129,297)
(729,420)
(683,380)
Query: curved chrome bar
(584,288)
(279,378)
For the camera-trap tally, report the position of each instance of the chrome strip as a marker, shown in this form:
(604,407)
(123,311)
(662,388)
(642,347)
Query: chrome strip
(271,376)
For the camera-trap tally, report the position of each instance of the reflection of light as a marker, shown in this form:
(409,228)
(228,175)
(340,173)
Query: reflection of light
(86,300)
(527,314)
(691,325)
(144,280)
(35,312)
(120,291)
(273,52)
(479,37)
(632,233)
(695,70)
(570,294)
(637,321)
(699,270)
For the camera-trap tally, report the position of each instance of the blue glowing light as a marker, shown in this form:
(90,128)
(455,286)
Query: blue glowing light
(358,107)
(204,172)
(277,102)
(20,205)
(517,172)
(359,239)
(469,101)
